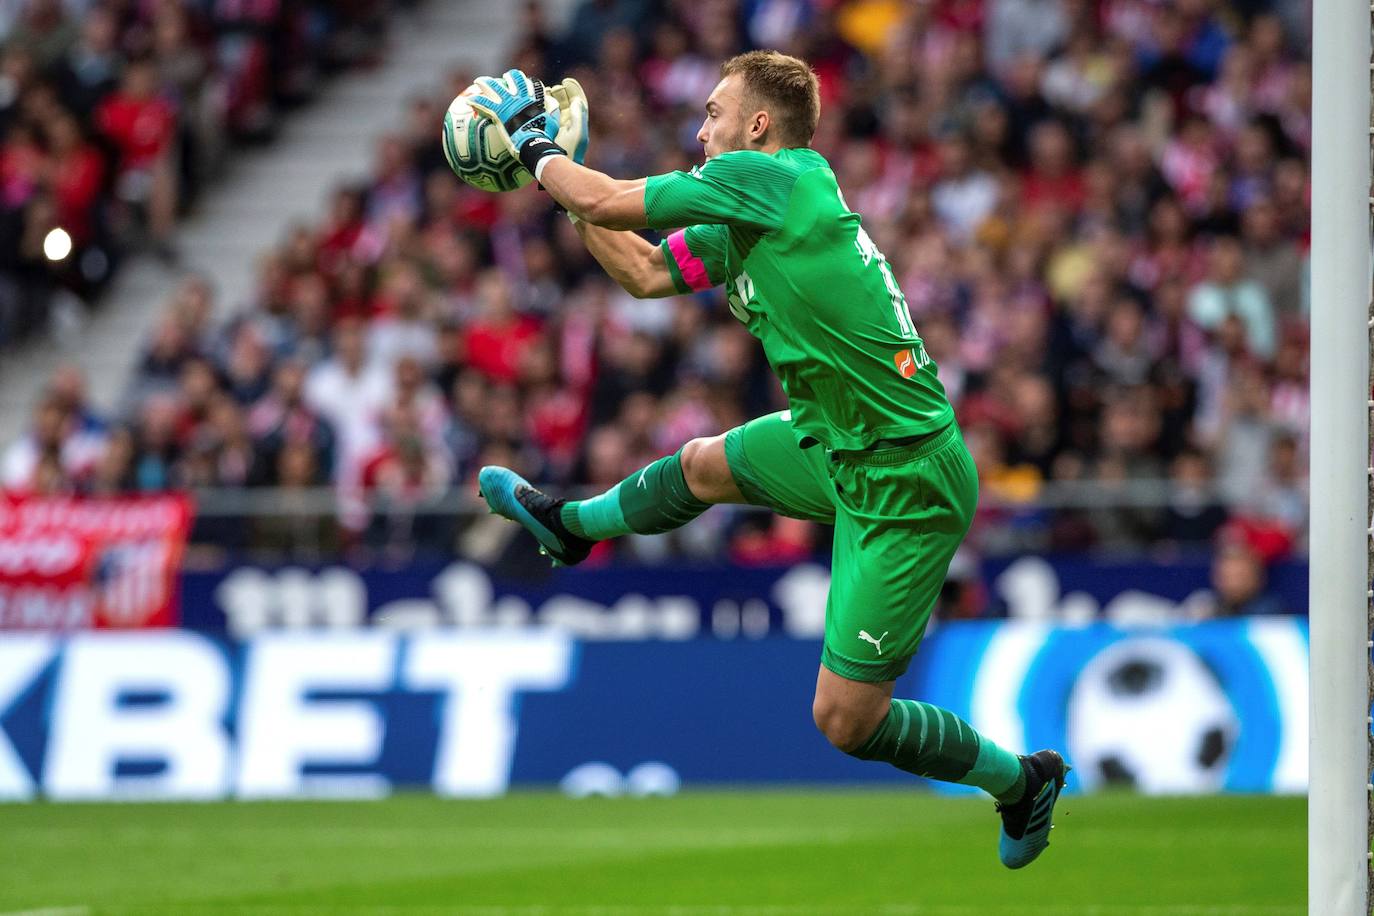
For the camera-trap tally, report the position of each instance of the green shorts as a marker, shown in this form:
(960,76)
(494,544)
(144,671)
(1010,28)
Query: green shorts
(899,515)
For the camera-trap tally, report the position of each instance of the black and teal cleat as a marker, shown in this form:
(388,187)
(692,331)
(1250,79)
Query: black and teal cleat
(509,494)
(1026,824)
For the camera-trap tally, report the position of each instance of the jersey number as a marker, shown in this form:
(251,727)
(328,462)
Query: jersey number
(870,253)
(741,296)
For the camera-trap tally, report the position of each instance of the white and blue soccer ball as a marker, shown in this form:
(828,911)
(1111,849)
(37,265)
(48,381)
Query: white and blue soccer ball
(473,151)
(1147,713)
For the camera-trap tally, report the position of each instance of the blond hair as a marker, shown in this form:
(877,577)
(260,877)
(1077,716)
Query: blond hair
(784,86)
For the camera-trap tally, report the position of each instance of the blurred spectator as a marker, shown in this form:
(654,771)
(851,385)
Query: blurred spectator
(498,337)
(56,436)
(76,172)
(282,419)
(404,319)
(1227,291)
(237,462)
(114,472)
(1193,513)
(1053,176)
(1023,28)
(964,196)
(349,392)
(67,387)
(92,65)
(45,30)
(1240,583)
(1285,491)
(1273,259)
(248,364)
(1244,436)
(157,447)
(141,125)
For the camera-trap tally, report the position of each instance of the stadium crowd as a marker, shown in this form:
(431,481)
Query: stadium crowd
(112,113)
(1098,213)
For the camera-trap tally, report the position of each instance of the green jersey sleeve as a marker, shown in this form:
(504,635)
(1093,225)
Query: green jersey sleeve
(743,188)
(696,257)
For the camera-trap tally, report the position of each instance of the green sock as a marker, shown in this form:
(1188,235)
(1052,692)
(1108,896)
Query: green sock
(650,501)
(935,743)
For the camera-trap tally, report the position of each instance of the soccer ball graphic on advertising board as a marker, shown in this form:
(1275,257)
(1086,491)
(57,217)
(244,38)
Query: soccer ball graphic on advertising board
(1147,713)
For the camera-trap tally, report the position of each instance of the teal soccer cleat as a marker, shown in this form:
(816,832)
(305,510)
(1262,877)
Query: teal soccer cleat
(509,494)
(1026,824)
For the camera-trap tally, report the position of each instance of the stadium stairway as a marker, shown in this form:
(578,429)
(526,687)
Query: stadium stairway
(259,195)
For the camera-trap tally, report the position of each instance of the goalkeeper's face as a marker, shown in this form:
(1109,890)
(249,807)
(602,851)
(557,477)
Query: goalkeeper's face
(729,125)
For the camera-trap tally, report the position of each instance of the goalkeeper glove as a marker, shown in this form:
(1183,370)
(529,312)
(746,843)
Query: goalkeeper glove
(572,118)
(515,105)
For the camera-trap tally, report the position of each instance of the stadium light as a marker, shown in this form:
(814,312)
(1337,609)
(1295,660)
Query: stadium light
(57,244)
(1338,801)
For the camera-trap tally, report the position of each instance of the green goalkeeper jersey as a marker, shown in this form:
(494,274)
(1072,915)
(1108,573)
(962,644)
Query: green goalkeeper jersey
(808,282)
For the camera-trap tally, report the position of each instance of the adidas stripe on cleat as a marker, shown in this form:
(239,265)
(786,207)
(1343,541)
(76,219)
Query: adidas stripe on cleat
(1026,824)
(510,495)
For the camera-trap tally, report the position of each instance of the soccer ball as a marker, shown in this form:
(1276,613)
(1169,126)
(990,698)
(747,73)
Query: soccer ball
(474,153)
(1147,713)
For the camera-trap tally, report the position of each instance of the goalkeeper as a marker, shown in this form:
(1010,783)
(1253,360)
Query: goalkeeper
(869,444)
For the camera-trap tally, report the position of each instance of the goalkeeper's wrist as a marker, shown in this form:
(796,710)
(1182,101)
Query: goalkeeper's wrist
(536,152)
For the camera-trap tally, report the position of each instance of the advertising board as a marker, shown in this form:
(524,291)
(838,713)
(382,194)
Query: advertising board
(1218,706)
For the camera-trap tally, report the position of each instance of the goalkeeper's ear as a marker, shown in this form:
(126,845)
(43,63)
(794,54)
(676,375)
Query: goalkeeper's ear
(573,114)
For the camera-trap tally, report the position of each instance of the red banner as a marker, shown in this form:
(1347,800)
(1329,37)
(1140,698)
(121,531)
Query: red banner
(71,564)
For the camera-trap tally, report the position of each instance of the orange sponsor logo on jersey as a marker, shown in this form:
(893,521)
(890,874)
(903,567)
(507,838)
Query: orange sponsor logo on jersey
(906,363)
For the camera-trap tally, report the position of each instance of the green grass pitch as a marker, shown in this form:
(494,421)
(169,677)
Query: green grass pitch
(773,853)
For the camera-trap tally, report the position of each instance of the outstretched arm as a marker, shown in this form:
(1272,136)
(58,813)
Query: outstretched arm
(516,106)
(640,267)
(593,196)
(745,188)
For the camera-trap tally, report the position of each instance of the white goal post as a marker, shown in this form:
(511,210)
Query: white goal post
(1339,808)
